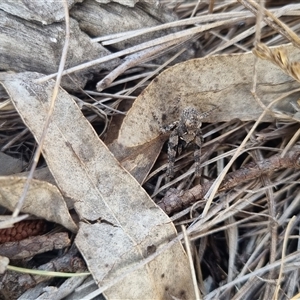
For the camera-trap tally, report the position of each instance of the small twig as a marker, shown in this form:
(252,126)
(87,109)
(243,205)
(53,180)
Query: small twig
(175,200)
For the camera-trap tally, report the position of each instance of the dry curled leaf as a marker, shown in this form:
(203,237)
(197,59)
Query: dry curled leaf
(102,190)
(222,81)
(43,200)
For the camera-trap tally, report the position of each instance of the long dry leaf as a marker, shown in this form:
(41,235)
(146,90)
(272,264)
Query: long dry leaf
(43,200)
(132,225)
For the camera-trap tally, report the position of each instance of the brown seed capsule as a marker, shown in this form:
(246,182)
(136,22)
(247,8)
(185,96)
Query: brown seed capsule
(23,230)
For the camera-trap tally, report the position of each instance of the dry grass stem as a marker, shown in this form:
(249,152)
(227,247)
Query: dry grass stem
(192,268)
(119,37)
(135,59)
(183,34)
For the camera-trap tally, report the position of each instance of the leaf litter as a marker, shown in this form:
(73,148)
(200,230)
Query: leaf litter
(101,190)
(246,242)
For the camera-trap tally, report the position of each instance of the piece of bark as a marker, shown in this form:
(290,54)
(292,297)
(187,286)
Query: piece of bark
(14,284)
(88,287)
(28,46)
(45,12)
(114,18)
(130,3)
(34,245)
(62,291)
